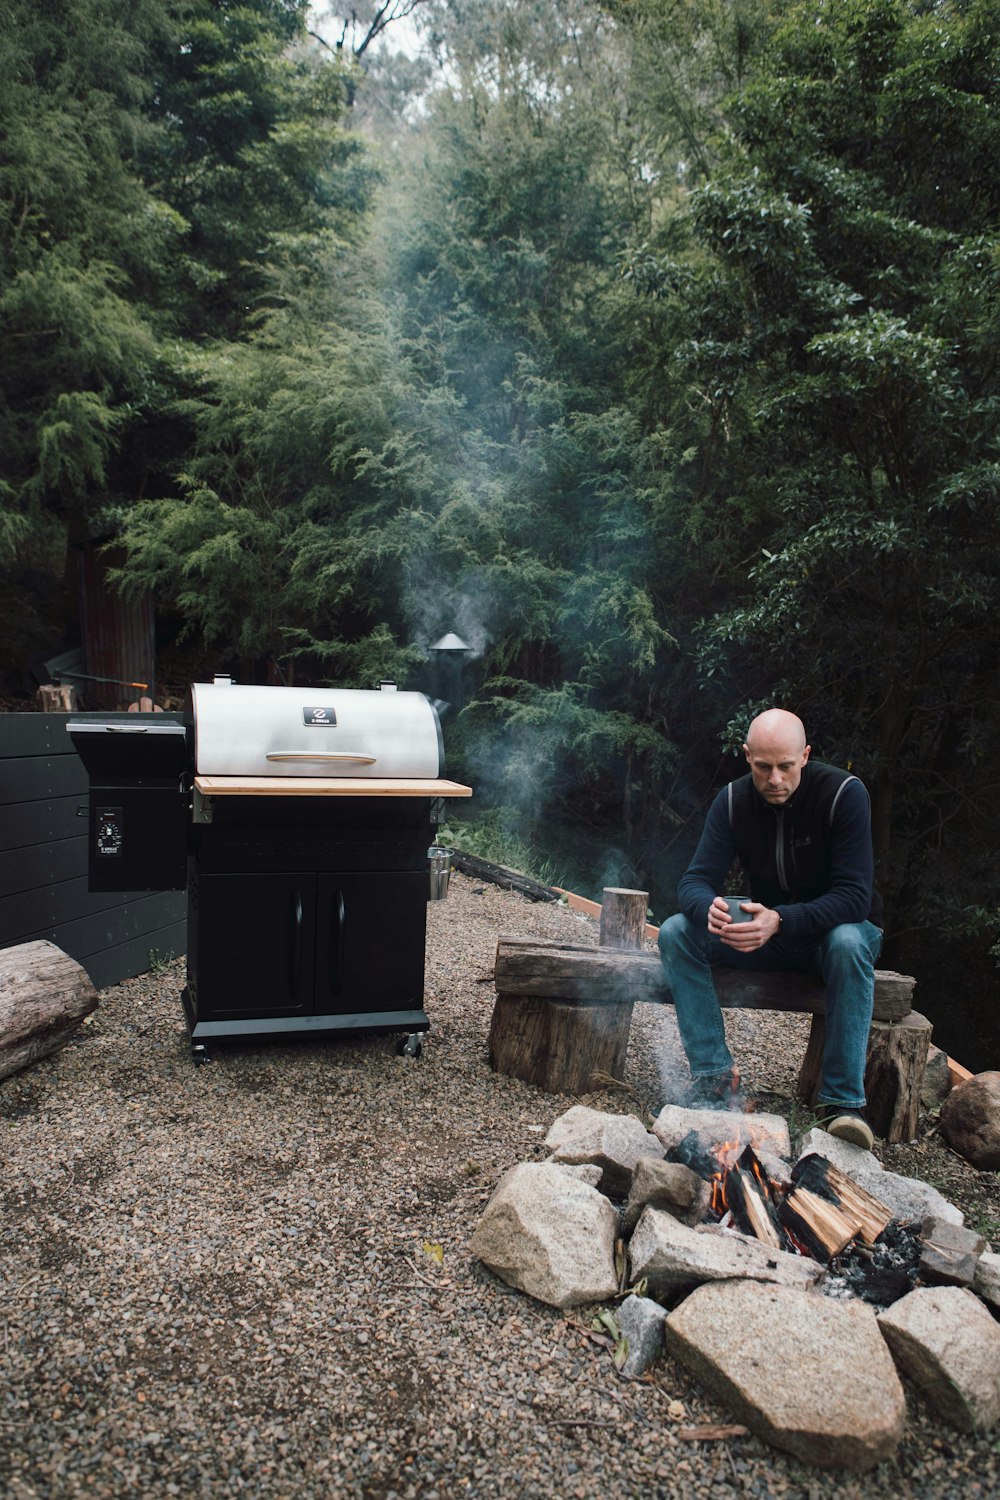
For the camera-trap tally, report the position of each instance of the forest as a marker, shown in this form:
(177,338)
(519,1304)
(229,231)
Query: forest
(650,346)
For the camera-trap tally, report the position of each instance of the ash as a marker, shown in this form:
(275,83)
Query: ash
(879,1274)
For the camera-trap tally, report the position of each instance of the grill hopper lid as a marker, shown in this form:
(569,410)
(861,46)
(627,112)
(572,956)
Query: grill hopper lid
(327,732)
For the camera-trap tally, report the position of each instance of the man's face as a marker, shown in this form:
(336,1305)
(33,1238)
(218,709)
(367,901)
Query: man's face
(776,765)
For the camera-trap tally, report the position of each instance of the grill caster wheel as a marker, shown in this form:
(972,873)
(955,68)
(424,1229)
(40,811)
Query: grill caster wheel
(200,1054)
(410,1046)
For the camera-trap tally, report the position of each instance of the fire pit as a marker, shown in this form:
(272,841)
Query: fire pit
(816,1211)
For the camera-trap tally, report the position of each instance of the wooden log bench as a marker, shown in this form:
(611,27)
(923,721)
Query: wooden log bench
(563,1011)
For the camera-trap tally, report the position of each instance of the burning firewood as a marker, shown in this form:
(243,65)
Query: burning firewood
(819,1176)
(826,1210)
(748,1195)
(818,1224)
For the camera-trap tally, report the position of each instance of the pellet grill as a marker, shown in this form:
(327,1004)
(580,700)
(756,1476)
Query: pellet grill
(299,821)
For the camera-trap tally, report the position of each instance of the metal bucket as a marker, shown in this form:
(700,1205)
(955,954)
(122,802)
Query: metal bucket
(439,867)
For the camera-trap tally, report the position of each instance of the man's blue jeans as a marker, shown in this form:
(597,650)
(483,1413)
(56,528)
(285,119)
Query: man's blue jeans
(845,957)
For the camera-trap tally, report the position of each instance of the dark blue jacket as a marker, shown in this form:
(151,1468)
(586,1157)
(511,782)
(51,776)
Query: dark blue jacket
(810,860)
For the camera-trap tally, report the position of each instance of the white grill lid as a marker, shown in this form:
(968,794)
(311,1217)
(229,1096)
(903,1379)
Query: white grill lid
(282,731)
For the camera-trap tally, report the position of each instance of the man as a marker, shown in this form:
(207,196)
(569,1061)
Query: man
(802,833)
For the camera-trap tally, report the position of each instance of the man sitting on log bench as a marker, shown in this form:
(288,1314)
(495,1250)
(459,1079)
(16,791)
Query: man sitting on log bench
(802,833)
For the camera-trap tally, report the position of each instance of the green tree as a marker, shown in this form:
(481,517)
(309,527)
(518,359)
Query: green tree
(172,177)
(839,286)
(78,359)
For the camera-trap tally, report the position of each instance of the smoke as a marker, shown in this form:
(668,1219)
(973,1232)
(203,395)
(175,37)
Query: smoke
(437,604)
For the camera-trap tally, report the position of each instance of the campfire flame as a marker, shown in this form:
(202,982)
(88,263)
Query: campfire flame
(726,1155)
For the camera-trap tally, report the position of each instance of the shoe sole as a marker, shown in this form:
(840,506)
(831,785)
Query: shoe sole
(852,1130)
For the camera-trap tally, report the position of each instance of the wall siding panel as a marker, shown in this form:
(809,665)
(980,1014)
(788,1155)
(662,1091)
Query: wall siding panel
(43,860)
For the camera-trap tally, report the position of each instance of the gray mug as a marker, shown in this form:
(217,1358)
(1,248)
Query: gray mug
(733,902)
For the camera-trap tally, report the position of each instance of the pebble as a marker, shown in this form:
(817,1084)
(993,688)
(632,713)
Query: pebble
(215,1279)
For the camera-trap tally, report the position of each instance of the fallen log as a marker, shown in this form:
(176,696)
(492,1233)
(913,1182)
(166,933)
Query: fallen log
(44,997)
(533,966)
(508,880)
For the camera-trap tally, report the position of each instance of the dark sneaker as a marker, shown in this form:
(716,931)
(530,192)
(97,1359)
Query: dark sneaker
(716,1091)
(846,1124)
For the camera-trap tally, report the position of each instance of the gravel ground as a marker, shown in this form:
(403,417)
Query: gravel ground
(251,1278)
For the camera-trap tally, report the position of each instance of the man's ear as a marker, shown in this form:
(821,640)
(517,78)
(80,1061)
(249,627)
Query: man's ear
(746,752)
(805,754)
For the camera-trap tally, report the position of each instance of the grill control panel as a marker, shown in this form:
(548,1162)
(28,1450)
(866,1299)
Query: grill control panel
(108,836)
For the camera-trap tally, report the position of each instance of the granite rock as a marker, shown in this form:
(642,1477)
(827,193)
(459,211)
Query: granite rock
(805,1373)
(550,1235)
(970,1120)
(613,1142)
(947,1342)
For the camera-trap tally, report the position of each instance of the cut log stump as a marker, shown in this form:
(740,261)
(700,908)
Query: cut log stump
(894,1072)
(565,1045)
(57,698)
(44,997)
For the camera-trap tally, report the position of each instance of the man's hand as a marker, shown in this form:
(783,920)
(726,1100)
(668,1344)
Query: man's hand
(743,937)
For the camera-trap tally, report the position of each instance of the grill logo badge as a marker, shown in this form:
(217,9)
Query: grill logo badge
(322,718)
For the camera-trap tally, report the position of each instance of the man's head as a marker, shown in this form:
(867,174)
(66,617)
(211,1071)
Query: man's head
(776,752)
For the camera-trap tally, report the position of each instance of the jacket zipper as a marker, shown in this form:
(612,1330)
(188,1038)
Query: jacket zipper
(779,847)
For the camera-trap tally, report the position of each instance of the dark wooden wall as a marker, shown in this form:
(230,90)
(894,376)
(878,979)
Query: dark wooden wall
(43,860)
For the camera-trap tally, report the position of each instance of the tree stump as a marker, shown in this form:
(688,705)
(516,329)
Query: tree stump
(57,698)
(894,1072)
(561,1045)
(44,996)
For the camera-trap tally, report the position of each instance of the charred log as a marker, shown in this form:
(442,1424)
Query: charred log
(817,1223)
(822,1178)
(749,1198)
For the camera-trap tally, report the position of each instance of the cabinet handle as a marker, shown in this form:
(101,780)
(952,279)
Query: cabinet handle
(337,945)
(295,950)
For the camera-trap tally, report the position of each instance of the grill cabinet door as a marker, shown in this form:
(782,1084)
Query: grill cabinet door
(370,941)
(294,943)
(252,942)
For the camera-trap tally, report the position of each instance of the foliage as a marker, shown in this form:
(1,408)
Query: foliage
(167,175)
(860,409)
(652,350)
(491,836)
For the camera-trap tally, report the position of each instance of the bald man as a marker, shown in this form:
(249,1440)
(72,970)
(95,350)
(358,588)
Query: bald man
(801,831)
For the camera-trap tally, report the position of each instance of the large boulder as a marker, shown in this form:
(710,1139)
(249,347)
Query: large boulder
(970,1120)
(613,1142)
(805,1372)
(550,1235)
(947,1342)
